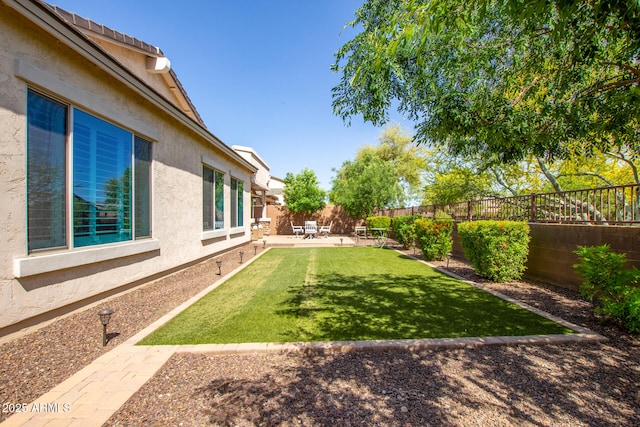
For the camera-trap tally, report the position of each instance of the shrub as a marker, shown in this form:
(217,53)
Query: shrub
(403,230)
(433,238)
(497,250)
(613,286)
(378,222)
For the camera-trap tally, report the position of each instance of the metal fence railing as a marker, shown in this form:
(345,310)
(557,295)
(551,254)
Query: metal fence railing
(619,205)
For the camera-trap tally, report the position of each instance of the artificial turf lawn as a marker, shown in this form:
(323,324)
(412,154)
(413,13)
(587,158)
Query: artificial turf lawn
(335,294)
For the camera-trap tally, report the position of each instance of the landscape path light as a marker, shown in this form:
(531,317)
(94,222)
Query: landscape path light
(255,248)
(219,264)
(241,255)
(105,316)
(264,243)
(341,241)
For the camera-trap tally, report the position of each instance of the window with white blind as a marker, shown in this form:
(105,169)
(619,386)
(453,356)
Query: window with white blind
(107,194)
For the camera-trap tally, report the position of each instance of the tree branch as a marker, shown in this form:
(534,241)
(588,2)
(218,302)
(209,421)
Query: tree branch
(632,70)
(500,179)
(525,90)
(634,168)
(597,175)
(547,173)
(620,83)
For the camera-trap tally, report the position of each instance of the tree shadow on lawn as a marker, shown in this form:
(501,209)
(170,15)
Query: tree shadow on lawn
(396,306)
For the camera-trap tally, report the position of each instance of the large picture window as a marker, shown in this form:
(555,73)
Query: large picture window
(110,196)
(101,181)
(212,199)
(236,203)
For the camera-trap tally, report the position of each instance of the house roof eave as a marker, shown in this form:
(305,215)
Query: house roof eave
(42,15)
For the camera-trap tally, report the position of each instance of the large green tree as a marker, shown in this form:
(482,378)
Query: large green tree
(505,78)
(364,185)
(302,192)
(396,146)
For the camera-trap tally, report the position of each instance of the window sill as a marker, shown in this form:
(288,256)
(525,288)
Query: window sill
(39,264)
(237,230)
(214,234)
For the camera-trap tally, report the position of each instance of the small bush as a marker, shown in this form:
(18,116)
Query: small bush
(613,286)
(378,222)
(404,231)
(433,238)
(497,250)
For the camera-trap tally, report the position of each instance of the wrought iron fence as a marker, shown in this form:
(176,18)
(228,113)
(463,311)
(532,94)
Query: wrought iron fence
(619,205)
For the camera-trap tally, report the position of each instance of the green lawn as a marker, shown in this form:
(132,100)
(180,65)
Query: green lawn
(332,294)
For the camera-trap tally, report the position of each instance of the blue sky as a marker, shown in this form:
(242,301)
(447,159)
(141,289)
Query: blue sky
(257,71)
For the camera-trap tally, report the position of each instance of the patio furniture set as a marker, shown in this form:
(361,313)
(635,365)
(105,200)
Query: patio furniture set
(311,229)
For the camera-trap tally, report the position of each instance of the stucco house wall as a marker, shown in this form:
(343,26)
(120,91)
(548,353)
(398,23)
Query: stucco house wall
(42,52)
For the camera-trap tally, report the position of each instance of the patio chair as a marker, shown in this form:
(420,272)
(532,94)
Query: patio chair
(360,231)
(325,229)
(310,229)
(297,229)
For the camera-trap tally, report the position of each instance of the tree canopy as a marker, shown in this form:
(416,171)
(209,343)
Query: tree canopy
(363,185)
(461,178)
(506,78)
(409,160)
(302,192)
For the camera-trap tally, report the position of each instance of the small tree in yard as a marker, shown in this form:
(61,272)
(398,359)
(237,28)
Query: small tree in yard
(364,185)
(302,192)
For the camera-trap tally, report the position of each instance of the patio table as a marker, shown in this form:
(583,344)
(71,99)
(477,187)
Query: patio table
(381,235)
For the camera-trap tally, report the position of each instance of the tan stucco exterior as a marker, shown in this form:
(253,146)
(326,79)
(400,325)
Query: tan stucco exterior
(40,51)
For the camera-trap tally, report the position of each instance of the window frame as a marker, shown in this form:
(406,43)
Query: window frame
(31,175)
(70,109)
(213,195)
(237,203)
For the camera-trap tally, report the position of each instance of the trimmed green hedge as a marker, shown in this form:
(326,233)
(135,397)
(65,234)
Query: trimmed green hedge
(433,238)
(403,230)
(378,222)
(497,250)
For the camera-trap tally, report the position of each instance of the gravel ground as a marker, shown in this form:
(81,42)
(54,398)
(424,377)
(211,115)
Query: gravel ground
(536,385)
(33,364)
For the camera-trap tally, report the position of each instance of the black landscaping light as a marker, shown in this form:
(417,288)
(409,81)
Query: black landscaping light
(219,264)
(241,255)
(264,243)
(341,241)
(255,248)
(105,316)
